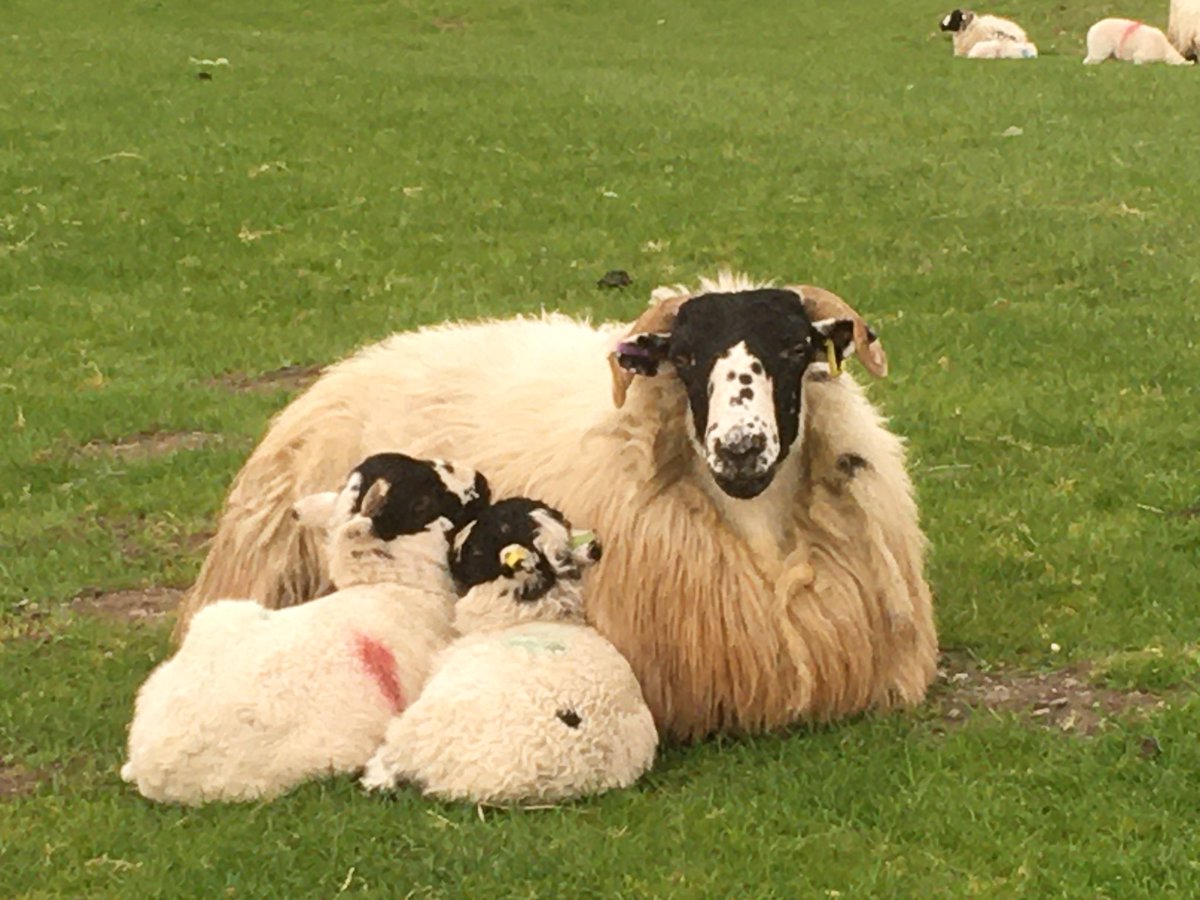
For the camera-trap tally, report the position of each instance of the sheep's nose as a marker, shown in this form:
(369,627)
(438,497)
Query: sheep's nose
(742,450)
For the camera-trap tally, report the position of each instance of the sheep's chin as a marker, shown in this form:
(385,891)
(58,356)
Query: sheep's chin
(744,488)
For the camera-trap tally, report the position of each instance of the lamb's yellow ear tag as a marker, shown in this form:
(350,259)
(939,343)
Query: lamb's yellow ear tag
(831,355)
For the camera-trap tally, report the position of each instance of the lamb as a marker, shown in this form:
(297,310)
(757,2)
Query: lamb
(1003,50)
(256,701)
(968,29)
(530,704)
(1129,41)
(763,558)
(1183,28)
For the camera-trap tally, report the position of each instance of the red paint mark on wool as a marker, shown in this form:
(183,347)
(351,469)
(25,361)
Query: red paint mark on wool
(380,664)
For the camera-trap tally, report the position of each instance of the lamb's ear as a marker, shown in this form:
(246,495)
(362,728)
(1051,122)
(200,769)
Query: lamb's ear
(644,345)
(374,499)
(835,319)
(315,510)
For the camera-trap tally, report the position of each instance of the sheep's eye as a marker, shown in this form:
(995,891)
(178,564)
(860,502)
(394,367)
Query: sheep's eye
(423,506)
(798,351)
(683,360)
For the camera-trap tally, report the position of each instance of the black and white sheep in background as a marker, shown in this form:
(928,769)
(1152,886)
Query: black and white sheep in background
(987,37)
(530,704)
(258,700)
(764,562)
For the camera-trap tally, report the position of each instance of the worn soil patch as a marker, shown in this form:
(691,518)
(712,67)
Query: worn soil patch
(152,604)
(289,378)
(1063,699)
(149,444)
(17,781)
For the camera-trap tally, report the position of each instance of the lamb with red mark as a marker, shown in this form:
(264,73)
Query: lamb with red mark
(257,701)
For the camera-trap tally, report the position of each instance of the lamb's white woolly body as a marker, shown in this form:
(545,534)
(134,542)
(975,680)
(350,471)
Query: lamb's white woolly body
(1003,50)
(536,712)
(530,704)
(806,602)
(1129,40)
(258,700)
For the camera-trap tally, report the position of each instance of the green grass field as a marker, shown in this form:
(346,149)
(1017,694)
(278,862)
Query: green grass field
(1024,235)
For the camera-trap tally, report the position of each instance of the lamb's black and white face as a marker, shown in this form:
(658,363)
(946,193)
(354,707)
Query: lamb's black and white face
(522,547)
(404,496)
(956,20)
(742,358)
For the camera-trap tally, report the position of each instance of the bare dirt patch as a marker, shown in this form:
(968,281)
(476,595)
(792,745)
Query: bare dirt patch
(17,780)
(149,444)
(151,605)
(1063,699)
(289,378)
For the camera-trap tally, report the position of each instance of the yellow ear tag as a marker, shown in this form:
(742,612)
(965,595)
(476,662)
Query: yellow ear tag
(513,555)
(831,355)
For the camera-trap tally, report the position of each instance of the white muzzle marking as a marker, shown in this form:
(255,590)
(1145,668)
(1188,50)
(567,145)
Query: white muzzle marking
(741,416)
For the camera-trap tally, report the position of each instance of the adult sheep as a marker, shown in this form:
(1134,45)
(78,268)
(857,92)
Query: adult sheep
(1183,28)
(763,561)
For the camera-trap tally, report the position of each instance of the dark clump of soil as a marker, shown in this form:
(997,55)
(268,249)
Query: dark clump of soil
(152,604)
(148,444)
(17,780)
(289,378)
(1063,699)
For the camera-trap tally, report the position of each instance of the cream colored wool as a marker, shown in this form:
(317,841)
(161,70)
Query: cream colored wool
(806,603)
(1128,40)
(1183,28)
(257,701)
(986,28)
(486,728)
(1003,50)
(529,705)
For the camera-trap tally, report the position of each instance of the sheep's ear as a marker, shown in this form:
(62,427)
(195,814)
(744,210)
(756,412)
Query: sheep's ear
(847,331)
(374,499)
(644,345)
(315,510)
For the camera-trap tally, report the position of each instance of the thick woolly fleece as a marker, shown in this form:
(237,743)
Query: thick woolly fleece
(806,603)
(540,712)
(256,701)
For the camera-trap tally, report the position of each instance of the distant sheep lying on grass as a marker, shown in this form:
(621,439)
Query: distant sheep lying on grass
(256,701)
(1183,28)
(1129,41)
(530,704)
(970,30)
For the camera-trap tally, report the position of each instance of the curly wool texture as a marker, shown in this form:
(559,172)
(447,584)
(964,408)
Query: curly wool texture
(807,603)
(1183,28)
(987,28)
(539,712)
(257,701)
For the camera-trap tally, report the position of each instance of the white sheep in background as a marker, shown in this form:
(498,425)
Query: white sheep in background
(968,29)
(763,559)
(1129,40)
(256,701)
(530,704)
(1003,50)
(1183,28)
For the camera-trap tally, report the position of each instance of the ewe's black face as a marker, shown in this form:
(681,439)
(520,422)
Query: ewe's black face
(954,21)
(422,495)
(525,544)
(741,358)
